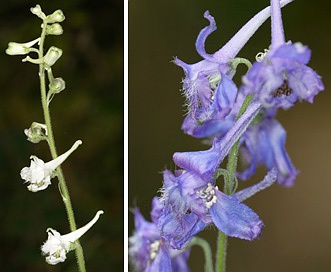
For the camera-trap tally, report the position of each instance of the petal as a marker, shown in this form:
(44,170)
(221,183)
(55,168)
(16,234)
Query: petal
(179,263)
(54,248)
(268,180)
(53,164)
(237,42)
(234,218)
(75,235)
(225,94)
(305,82)
(192,70)
(179,230)
(277,30)
(204,163)
(145,233)
(162,262)
(287,171)
(264,143)
(204,33)
(297,52)
(179,193)
(211,127)
(157,207)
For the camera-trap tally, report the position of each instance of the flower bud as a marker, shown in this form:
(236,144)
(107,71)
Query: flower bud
(52,55)
(20,48)
(36,133)
(37,11)
(57,86)
(56,17)
(54,29)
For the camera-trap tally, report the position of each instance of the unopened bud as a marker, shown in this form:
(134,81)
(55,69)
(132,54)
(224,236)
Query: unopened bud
(52,55)
(54,29)
(37,11)
(57,86)
(36,133)
(56,17)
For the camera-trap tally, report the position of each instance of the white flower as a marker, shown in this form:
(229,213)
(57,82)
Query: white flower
(39,174)
(21,48)
(57,246)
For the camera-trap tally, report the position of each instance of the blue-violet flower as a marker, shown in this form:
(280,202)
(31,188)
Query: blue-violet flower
(149,252)
(208,87)
(191,199)
(282,77)
(264,142)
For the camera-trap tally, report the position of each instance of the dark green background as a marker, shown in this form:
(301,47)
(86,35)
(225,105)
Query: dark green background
(297,234)
(90,109)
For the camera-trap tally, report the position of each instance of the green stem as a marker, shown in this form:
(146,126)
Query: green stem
(222,242)
(51,142)
(233,156)
(229,186)
(206,249)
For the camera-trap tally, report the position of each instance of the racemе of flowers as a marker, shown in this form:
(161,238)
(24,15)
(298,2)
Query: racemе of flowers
(39,174)
(236,121)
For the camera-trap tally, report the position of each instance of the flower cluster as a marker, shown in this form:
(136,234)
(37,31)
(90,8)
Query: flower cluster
(38,176)
(232,119)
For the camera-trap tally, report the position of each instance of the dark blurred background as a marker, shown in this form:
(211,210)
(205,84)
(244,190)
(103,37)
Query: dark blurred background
(297,234)
(90,109)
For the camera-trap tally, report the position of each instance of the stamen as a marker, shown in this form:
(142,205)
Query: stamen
(154,248)
(214,80)
(261,55)
(208,195)
(283,90)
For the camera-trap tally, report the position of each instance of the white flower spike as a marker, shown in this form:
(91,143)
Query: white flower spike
(39,174)
(57,246)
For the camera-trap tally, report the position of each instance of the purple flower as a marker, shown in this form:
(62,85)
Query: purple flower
(192,203)
(282,77)
(148,251)
(264,142)
(208,87)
